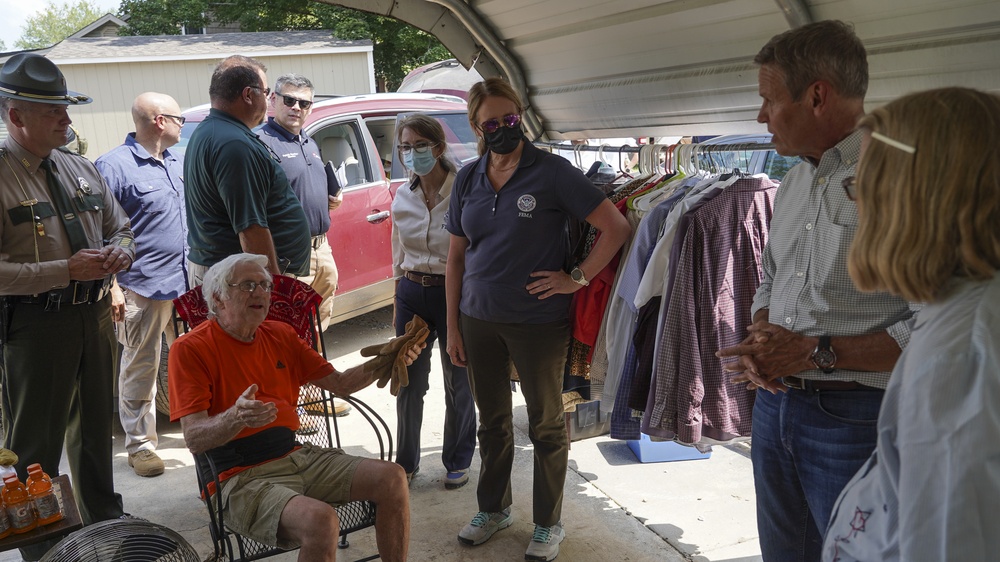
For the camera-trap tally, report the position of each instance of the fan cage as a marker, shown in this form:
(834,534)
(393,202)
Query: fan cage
(123,541)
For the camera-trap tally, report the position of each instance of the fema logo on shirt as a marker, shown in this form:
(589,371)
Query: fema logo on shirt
(526,204)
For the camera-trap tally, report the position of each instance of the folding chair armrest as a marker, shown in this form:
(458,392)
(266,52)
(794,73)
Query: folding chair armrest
(378,424)
(202,460)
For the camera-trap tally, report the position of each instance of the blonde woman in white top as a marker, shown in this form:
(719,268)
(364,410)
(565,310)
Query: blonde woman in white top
(420,254)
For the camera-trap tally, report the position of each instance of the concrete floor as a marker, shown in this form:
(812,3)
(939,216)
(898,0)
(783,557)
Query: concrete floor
(615,508)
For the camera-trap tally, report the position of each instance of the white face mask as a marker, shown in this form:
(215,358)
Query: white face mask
(420,163)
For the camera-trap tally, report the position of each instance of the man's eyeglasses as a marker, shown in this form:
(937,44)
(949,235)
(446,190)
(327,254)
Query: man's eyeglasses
(850,187)
(289,101)
(266,91)
(251,286)
(419,148)
(180,119)
(510,121)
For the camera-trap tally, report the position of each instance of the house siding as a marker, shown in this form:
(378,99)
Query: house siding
(113,86)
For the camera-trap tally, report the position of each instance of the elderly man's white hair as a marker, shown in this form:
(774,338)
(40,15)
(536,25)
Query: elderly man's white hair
(218,277)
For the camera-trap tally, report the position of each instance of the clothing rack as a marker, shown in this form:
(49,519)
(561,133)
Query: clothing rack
(682,154)
(629,149)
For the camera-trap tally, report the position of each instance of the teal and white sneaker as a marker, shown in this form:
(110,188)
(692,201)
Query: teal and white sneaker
(544,543)
(483,525)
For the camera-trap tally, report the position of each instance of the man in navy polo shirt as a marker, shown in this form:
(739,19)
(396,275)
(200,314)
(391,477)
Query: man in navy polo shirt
(146,178)
(303,164)
(237,196)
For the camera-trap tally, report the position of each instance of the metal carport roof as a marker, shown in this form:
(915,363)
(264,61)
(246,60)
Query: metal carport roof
(622,68)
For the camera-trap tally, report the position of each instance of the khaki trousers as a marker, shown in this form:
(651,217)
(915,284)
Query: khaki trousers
(140,334)
(323,279)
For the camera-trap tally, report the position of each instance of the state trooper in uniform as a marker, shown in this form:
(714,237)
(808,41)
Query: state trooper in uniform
(63,237)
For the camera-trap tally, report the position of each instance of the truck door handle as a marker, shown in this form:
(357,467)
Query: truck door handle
(377,217)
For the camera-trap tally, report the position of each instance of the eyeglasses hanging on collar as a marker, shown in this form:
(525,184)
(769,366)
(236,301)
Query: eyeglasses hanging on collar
(274,155)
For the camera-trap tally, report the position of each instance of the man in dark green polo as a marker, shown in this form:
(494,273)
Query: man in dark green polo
(238,198)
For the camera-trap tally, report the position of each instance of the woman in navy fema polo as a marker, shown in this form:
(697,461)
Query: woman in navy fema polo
(509,290)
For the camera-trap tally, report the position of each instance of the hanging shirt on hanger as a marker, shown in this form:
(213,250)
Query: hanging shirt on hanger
(718,272)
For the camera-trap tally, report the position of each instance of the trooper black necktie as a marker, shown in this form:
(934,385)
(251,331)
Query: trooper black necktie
(66,209)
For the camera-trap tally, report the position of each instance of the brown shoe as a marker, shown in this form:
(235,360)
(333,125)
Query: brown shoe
(146,463)
(341,408)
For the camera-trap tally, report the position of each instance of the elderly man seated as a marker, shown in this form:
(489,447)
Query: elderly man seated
(234,381)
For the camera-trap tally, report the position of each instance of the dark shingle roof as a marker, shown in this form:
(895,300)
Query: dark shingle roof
(175,46)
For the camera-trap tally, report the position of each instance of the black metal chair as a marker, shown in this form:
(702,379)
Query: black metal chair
(297,304)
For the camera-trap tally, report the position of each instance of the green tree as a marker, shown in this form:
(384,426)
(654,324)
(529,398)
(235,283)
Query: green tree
(3,46)
(397,47)
(56,22)
(163,17)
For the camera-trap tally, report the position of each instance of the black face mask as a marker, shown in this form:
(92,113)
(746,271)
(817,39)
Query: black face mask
(504,140)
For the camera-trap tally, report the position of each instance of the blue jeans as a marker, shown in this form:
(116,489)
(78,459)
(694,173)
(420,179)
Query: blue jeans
(806,447)
(460,409)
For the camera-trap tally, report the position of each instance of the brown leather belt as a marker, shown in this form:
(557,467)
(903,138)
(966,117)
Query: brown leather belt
(425,279)
(317,241)
(809,385)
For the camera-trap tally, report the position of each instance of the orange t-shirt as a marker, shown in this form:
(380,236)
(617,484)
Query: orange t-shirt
(209,370)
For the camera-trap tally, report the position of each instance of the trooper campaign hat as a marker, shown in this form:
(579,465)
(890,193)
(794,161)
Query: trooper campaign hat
(31,77)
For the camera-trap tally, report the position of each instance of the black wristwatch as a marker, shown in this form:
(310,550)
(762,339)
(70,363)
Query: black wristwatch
(823,356)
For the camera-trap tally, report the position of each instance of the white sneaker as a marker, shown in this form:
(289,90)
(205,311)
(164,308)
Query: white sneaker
(484,525)
(544,543)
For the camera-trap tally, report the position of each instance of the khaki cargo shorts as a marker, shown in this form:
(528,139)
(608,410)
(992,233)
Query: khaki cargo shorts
(254,499)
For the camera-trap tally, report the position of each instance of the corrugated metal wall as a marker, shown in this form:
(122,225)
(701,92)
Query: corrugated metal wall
(623,68)
(684,67)
(106,121)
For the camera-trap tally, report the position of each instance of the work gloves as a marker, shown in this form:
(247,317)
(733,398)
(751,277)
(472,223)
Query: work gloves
(388,361)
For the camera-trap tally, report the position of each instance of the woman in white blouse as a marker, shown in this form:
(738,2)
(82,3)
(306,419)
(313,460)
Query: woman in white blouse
(420,253)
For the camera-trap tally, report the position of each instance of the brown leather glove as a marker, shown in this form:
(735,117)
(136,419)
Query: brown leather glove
(379,369)
(389,362)
(418,331)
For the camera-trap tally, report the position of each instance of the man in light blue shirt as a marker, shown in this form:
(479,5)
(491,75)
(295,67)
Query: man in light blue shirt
(819,351)
(146,178)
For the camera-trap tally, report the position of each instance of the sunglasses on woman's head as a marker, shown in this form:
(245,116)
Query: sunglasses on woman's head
(289,101)
(510,121)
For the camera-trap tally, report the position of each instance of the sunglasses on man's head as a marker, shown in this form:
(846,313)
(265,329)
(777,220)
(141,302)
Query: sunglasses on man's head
(510,121)
(289,101)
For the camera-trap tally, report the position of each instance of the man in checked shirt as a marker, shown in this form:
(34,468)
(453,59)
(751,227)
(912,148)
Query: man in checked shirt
(821,349)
